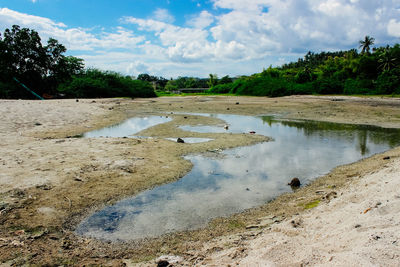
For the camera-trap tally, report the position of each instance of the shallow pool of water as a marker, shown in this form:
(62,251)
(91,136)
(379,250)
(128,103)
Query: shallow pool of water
(240,178)
(128,127)
(191,140)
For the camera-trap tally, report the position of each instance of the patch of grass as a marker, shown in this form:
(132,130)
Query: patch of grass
(312,204)
(235,224)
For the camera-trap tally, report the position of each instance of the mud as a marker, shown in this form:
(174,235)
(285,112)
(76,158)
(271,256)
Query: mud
(50,180)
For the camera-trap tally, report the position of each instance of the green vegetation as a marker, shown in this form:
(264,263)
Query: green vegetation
(95,83)
(312,204)
(342,72)
(49,73)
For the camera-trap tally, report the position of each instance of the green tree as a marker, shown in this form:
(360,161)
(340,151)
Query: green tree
(224,80)
(213,80)
(41,68)
(387,60)
(171,85)
(366,44)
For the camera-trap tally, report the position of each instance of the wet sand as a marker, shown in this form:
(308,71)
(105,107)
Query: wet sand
(50,180)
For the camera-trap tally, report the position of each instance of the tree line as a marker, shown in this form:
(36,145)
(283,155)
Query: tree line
(26,66)
(341,72)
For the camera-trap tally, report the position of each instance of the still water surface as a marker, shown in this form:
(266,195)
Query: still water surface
(128,127)
(239,178)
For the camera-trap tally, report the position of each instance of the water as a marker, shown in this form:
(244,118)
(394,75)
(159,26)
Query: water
(192,140)
(128,127)
(242,178)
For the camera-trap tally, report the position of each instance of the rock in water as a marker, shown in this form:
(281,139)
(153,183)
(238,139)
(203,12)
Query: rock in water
(295,182)
(180,140)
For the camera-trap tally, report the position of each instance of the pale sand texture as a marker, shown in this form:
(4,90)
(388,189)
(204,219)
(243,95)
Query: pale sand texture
(361,227)
(49,182)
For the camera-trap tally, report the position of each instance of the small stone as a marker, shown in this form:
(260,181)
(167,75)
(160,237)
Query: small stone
(357,226)
(376,237)
(386,158)
(180,140)
(77,100)
(252,132)
(19,232)
(237,103)
(227,108)
(162,264)
(295,182)
(247,189)
(37,124)
(330,195)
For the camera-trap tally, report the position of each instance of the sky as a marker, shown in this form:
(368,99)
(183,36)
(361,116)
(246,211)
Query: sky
(172,38)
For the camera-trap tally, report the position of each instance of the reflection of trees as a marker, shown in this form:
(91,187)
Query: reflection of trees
(362,142)
(364,133)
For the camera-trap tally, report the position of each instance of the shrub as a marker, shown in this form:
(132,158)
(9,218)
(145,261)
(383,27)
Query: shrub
(95,83)
(221,88)
(358,86)
(388,82)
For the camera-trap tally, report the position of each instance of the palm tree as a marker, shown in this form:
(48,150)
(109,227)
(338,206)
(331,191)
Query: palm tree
(366,43)
(387,60)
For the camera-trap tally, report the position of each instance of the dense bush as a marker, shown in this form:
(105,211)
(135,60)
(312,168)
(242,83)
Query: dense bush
(388,82)
(358,87)
(343,72)
(95,83)
(221,88)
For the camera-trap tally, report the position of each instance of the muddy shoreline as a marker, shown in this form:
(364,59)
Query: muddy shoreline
(50,180)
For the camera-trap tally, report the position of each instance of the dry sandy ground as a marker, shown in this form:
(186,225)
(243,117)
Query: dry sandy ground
(50,180)
(360,227)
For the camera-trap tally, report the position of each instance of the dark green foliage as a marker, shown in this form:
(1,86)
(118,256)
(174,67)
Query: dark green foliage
(221,88)
(94,83)
(39,67)
(388,82)
(159,82)
(224,80)
(343,72)
(358,87)
(264,86)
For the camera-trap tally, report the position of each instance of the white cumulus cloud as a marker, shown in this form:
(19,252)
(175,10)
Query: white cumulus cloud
(393,28)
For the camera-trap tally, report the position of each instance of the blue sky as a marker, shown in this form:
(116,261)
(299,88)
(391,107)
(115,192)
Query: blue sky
(173,38)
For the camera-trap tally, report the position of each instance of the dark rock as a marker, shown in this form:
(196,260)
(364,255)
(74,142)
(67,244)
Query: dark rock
(237,103)
(162,264)
(37,124)
(386,158)
(247,189)
(295,182)
(185,117)
(180,140)
(252,132)
(357,226)
(77,100)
